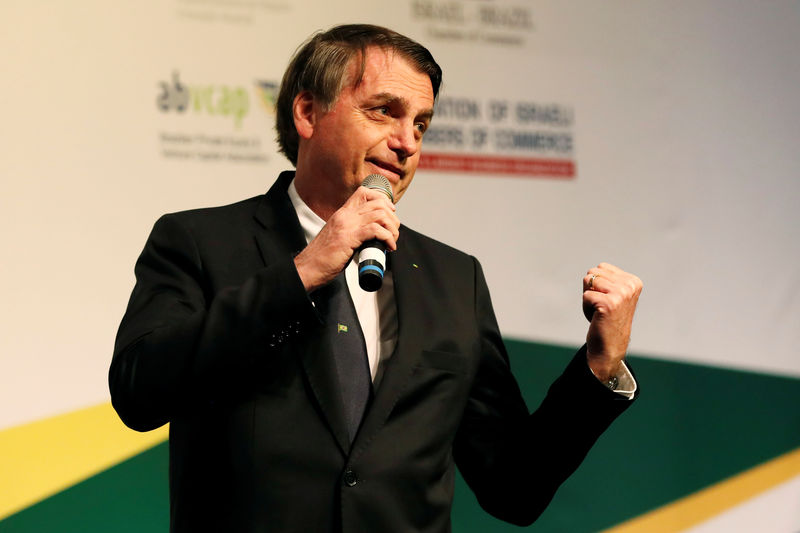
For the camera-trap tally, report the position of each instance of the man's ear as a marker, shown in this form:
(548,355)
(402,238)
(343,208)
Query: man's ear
(303,111)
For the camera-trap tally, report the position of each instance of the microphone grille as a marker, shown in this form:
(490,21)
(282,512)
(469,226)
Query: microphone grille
(380,183)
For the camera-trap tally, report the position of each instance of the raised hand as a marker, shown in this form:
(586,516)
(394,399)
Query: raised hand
(609,302)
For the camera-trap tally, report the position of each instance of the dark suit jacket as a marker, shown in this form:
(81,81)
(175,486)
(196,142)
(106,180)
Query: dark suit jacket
(221,340)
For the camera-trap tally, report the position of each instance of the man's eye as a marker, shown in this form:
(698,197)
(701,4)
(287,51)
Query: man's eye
(421,127)
(383,110)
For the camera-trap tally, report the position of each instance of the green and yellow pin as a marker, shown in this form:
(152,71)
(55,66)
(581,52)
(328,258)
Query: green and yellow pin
(341,328)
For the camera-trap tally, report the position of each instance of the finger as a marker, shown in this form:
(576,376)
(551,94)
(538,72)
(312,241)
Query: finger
(615,280)
(387,219)
(608,267)
(605,303)
(600,270)
(377,206)
(377,231)
(598,283)
(611,273)
(353,210)
(607,270)
(366,197)
(592,301)
(366,194)
(634,284)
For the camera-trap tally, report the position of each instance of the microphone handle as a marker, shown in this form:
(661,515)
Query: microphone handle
(371,265)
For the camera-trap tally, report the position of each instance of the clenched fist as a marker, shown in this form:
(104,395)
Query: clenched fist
(609,302)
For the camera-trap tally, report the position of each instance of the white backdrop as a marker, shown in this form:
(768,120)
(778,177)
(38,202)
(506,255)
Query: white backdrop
(683,118)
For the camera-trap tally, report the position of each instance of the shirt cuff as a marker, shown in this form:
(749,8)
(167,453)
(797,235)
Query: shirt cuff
(626,384)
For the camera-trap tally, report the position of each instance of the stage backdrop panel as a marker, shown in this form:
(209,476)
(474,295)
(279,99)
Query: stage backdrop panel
(656,136)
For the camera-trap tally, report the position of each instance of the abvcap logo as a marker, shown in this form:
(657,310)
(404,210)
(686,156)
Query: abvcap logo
(211,100)
(214,107)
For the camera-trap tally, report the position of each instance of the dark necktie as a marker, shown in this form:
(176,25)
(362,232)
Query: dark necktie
(349,351)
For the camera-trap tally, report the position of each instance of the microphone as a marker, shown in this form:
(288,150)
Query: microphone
(371,256)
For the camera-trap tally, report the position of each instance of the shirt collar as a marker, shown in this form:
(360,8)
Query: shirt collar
(311,223)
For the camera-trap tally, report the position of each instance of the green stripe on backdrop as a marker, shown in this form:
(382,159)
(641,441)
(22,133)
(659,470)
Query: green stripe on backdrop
(692,426)
(131,497)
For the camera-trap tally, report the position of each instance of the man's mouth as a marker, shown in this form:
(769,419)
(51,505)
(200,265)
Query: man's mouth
(391,172)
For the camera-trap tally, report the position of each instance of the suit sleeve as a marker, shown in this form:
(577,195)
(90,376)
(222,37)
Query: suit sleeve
(179,345)
(515,461)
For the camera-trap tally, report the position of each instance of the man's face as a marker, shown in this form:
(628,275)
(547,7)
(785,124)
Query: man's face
(373,128)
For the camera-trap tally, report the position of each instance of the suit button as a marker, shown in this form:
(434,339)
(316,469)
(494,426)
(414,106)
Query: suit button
(350,478)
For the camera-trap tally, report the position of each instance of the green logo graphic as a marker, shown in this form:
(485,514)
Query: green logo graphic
(212,100)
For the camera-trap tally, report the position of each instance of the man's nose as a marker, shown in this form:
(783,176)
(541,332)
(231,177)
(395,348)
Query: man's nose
(405,138)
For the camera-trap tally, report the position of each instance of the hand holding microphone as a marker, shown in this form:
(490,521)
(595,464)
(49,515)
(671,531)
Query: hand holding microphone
(365,225)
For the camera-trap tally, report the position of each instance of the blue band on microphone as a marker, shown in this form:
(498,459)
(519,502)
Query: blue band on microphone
(371,267)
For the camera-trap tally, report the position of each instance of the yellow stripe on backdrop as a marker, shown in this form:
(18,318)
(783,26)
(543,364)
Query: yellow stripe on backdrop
(709,502)
(44,457)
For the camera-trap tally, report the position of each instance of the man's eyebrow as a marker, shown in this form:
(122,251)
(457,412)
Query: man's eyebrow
(389,98)
(426,115)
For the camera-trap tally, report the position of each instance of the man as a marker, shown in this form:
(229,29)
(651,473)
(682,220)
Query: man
(228,337)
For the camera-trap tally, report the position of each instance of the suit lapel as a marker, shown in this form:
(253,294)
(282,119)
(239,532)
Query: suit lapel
(280,234)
